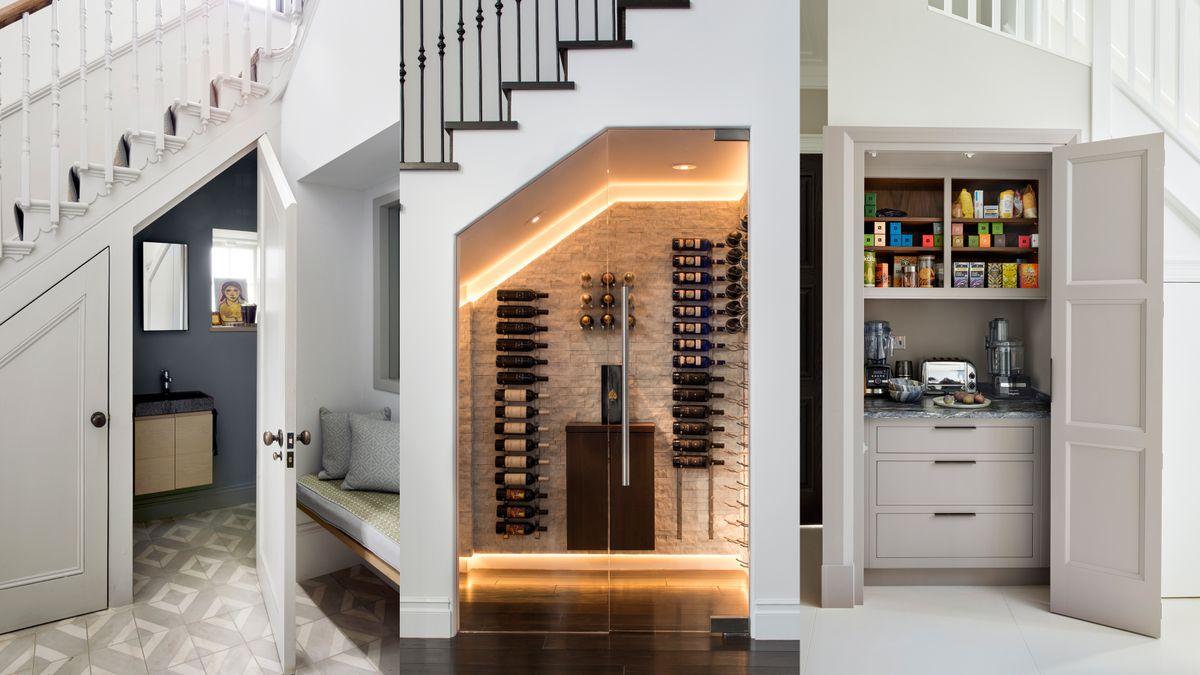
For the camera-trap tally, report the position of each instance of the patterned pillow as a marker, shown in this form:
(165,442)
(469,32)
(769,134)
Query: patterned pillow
(374,455)
(335,440)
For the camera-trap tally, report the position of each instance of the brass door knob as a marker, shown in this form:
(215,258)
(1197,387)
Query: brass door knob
(99,419)
(277,455)
(304,437)
(273,438)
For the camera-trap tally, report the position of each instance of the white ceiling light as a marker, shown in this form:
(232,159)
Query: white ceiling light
(534,220)
(683,166)
(969,155)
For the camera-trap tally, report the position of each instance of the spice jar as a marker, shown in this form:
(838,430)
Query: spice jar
(925,272)
(908,278)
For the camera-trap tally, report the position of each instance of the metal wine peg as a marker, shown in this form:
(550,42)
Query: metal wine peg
(629,278)
(585,280)
(585,301)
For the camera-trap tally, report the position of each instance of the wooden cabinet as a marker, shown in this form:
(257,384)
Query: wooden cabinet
(172,452)
(601,513)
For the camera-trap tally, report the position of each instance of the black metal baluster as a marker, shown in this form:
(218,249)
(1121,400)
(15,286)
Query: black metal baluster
(479,51)
(462,32)
(596,13)
(577,20)
(557,37)
(402,74)
(614,20)
(537,40)
(518,47)
(421,67)
(441,44)
(499,62)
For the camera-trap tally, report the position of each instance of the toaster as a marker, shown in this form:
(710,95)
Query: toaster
(948,375)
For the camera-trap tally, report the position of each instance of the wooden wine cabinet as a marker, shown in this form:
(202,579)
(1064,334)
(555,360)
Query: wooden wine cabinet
(595,497)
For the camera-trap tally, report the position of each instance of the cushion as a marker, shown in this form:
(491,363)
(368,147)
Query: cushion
(374,455)
(335,440)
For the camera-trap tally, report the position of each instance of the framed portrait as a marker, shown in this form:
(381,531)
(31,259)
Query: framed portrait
(230,296)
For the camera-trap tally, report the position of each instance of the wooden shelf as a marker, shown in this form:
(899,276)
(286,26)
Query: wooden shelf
(250,328)
(872,293)
(1006,250)
(905,250)
(1005,221)
(908,220)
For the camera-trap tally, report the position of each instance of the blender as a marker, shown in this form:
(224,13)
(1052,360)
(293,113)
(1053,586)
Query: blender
(877,348)
(1006,362)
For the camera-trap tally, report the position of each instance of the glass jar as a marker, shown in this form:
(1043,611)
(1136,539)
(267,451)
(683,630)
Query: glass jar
(908,278)
(925,272)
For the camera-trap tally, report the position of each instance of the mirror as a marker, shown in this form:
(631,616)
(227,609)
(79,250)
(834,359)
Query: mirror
(164,286)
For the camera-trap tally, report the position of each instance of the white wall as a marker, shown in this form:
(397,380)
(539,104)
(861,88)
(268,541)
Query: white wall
(895,63)
(673,77)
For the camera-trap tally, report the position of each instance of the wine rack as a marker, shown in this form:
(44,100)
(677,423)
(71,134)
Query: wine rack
(519,485)
(596,308)
(737,453)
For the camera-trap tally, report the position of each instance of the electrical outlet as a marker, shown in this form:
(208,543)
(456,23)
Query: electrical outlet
(899,342)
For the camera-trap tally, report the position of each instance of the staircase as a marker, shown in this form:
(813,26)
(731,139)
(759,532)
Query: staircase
(129,109)
(525,46)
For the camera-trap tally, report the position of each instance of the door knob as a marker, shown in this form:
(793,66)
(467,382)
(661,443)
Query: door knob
(99,419)
(304,437)
(273,438)
(277,455)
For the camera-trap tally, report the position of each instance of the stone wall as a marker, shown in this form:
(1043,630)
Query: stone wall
(630,237)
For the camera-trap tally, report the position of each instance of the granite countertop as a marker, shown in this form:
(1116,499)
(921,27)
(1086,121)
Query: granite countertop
(146,405)
(886,408)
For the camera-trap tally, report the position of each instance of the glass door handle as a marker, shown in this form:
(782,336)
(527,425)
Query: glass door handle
(624,385)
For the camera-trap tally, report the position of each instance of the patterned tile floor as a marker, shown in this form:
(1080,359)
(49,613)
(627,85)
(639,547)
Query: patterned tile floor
(197,608)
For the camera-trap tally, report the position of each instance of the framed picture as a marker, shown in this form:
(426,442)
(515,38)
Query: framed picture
(230,297)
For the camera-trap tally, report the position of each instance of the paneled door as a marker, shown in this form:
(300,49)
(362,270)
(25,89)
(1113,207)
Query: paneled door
(1107,350)
(54,450)
(276,479)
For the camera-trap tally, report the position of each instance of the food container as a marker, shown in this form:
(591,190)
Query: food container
(983,228)
(880,227)
(978,274)
(880,240)
(1006,204)
(1009,274)
(956,240)
(995,275)
(925,272)
(940,274)
(907,277)
(956,228)
(1028,275)
(973,241)
(927,241)
(882,280)
(903,390)
(962,275)
(938,240)
(869,267)
(977,204)
(985,241)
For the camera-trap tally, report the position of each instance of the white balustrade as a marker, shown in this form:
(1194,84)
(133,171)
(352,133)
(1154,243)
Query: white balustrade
(55,106)
(1030,21)
(109,141)
(246,49)
(83,102)
(159,84)
(183,53)
(137,78)
(25,144)
(206,72)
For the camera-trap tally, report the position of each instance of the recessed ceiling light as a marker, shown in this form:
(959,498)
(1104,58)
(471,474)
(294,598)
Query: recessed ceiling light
(534,220)
(683,167)
(969,155)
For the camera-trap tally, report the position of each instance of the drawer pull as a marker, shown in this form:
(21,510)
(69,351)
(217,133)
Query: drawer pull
(955,513)
(954,426)
(953,461)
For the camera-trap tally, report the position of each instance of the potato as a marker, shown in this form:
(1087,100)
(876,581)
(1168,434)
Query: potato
(980,398)
(960,396)
(948,399)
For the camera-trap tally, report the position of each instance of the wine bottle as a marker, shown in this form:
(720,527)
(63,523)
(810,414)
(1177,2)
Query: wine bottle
(518,511)
(694,311)
(694,411)
(518,361)
(518,428)
(695,379)
(516,412)
(518,328)
(735,256)
(694,361)
(694,295)
(735,273)
(694,428)
(694,461)
(517,478)
(735,325)
(692,328)
(586,322)
(519,377)
(517,395)
(744,224)
(518,295)
(519,462)
(689,395)
(518,445)
(518,494)
(735,239)
(680,244)
(693,445)
(518,345)
(695,261)
(519,311)
(695,345)
(694,278)
(607,279)
(734,308)
(518,528)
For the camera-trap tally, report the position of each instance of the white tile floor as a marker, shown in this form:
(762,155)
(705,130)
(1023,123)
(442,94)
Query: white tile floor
(964,630)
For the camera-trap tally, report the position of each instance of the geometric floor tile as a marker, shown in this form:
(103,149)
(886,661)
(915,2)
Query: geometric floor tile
(16,654)
(268,656)
(322,639)
(76,665)
(124,658)
(110,627)
(60,640)
(200,605)
(215,634)
(152,619)
(252,622)
(167,649)
(234,661)
(189,668)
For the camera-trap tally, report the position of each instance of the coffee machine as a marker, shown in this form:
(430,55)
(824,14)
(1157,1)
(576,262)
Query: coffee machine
(1006,362)
(877,349)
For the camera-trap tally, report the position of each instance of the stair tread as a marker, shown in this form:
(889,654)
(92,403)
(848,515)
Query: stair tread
(536,85)
(429,166)
(195,107)
(595,44)
(148,136)
(496,125)
(36,205)
(654,4)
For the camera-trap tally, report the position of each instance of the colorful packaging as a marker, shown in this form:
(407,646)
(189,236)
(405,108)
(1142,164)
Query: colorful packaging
(880,239)
(973,241)
(985,241)
(881,275)
(927,241)
(908,239)
(869,267)
(938,240)
(997,228)
(1029,202)
(937,228)
(1033,240)
(870,198)
(869,211)
(1023,241)
(880,227)
(984,228)
(1006,203)
(978,274)
(868,240)
(1029,275)
(895,240)
(894,227)
(991,211)
(1009,273)
(956,240)
(956,228)
(977,204)
(962,274)
(995,275)
(966,205)
(999,240)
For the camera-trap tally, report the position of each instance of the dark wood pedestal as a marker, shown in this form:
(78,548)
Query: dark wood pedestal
(595,496)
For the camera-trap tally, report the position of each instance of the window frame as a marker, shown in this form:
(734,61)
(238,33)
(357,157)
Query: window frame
(382,208)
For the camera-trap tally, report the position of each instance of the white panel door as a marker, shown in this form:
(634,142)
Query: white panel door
(276,495)
(1107,350)
(1181,445)
(54,486)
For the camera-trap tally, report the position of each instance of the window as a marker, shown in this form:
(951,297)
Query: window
(234,257)
(387,293)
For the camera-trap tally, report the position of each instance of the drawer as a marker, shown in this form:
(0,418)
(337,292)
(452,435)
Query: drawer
(949,439)
(954,482)
(926,535)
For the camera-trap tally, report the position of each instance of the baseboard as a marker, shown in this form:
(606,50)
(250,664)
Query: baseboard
(172,504)
(426,618)
(837,585)
(775,619)
(317,551)
(598,562)
(1007,576)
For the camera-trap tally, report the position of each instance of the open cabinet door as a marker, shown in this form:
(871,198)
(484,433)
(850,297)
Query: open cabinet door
(1106,421)
(276,496)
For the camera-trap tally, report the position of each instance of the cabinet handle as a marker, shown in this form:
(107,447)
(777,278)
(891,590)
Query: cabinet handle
(953,461)
(954,513)
(955,426)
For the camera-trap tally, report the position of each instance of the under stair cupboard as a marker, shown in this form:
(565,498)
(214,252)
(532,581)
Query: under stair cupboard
(939,245)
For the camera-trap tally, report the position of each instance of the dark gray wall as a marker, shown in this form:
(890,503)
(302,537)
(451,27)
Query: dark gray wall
(219,364)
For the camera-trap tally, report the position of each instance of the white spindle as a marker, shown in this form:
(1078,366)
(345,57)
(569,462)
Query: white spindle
(159,83)
(25,110)
(225,60)
(83,112)
(183,55)
(996,15)
(55,105)
(1068,28)
(2,237)
(1155,66)
(246,49)
(1020,19)
(205,71)
(137,79)
(972,10)
(109,141)
(1180,18)
(266,41)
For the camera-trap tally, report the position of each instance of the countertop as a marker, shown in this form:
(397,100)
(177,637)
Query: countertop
(886,408)
(147,405)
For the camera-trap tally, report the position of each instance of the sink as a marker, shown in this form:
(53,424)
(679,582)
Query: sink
(169,403)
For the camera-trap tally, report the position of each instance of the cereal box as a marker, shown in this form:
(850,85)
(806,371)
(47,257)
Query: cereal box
(1029,275)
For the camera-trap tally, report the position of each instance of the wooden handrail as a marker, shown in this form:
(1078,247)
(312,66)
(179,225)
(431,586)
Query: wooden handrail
(12,12)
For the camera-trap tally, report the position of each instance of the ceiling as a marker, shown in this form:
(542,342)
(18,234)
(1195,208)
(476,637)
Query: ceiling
(618,165)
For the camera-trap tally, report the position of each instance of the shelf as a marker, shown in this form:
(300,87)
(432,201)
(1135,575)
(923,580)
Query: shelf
(1005,250)
(872,293)
(1006,221)
(250,328)
(908,220)
(903,250)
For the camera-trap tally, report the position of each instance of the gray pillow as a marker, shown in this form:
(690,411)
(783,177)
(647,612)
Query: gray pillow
(374,455)
(335,440)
